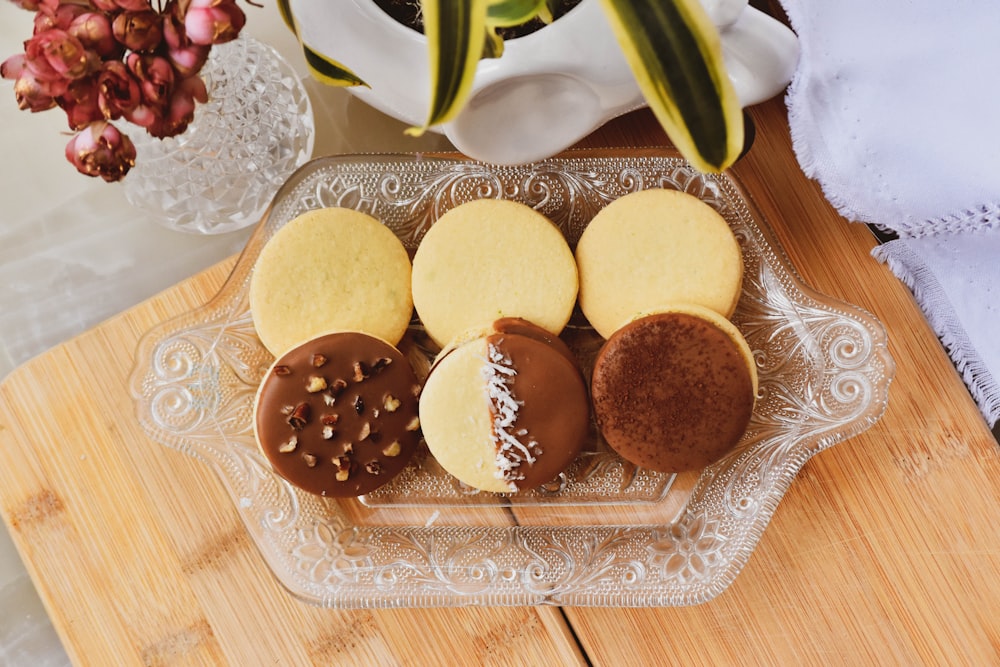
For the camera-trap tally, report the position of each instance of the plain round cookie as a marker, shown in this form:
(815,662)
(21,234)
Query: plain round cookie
(656,246)
(338,415)
(506,411)
(492,258)
(330,269)
(674,391)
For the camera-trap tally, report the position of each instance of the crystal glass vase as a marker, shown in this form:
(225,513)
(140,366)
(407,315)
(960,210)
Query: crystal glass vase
(221,173)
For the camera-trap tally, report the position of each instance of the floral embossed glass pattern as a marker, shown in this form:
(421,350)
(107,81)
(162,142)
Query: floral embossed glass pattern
(605,533)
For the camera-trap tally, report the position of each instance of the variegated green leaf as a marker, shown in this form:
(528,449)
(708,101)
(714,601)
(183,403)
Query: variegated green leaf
(329,71)
(322,68)
(456,35)
(675,53)
(286,15)
(493,47)
(511,13)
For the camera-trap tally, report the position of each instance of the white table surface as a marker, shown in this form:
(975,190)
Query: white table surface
(73,252)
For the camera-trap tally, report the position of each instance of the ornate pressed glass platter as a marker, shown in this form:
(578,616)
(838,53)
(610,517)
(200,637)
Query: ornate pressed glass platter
(604,533)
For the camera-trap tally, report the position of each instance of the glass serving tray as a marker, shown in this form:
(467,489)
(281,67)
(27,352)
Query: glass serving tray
(605,533)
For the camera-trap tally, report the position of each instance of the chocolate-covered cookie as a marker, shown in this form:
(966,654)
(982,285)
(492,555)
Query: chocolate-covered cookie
(674,391)
(506,410)
(337,415)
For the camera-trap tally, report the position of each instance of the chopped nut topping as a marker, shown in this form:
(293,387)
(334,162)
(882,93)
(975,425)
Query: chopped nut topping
(281,369)
(391,403)
(360,371)
(300,416)
(342,475)
(310,459)
(328,432)
(289,446)
(379,364)
(359,404)
(287,409)
(315,383)
(348,447)
(414,424)
(317,360)
(329,419)
(415,390)
(392,449)
(373,468)
(335,389)
(366,430)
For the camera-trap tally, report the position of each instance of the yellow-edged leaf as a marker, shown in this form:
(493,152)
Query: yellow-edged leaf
(329,71)
(675,53)
(493,46)
(286,15)
(323,69)
(456,35)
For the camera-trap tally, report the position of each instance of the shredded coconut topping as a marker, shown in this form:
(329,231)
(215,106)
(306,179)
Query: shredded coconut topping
(511,451)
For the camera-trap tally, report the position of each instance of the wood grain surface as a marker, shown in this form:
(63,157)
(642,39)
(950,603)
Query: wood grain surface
(885,549)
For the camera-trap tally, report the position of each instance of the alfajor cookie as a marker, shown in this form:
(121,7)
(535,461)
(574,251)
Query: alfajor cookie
(492,258)
(330,269)
(338,414)
(507,410)
(656,246)
(674,390)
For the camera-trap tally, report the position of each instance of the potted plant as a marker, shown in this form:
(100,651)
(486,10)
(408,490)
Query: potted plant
(501,91)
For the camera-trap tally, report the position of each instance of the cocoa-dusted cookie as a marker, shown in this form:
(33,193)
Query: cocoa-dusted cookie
(492,258)
(506,410)
(330,269)
(337,415)
(652,247)
(674,391)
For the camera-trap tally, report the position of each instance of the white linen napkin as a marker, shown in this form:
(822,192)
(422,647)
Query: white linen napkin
(895,110)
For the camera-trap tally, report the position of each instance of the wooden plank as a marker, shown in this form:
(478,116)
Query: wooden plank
(141,558)
(885,550)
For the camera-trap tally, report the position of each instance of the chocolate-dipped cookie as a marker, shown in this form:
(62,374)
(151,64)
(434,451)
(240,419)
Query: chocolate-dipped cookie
(507,410)
(674,391)
(337,415)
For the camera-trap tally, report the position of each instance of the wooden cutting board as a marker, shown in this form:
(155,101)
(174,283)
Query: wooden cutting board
(885,548)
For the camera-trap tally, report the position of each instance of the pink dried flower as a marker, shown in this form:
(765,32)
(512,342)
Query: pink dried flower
(187,58)
(120,5)
(138,31)
(55,56)
(57,15)
(155,76)
(31,95)
(213,21)
(101,150)
(30,5)
(101,60)
(80,102)
(117,90)
(93,29)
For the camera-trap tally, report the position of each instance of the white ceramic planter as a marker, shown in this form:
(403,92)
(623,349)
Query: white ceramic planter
(548,90)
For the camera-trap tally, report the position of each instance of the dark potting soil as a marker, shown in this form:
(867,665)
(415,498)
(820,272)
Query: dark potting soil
(407,12)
